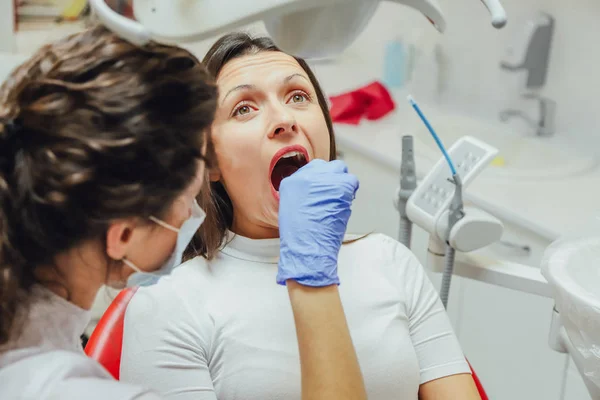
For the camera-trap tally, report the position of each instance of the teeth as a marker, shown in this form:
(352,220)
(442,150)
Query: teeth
(290,154)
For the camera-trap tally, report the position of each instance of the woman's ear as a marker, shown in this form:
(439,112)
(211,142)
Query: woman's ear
(118,239)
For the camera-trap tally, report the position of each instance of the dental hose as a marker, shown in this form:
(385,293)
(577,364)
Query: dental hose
(456,209)
(456,212)
(408,183)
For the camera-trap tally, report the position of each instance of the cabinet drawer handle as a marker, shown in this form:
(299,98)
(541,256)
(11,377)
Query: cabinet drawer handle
(518,248)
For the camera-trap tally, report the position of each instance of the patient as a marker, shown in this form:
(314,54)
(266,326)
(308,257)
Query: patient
(220,326)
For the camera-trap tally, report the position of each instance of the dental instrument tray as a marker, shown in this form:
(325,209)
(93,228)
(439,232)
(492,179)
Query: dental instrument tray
(432,197)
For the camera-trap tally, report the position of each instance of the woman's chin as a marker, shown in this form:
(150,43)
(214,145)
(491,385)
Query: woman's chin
(271,220)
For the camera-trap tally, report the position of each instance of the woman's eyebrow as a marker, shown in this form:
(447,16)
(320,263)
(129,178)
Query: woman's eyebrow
(252,87)
(237,88)
(292,76)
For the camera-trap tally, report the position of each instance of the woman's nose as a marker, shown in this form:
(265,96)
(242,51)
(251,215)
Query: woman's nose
(285,123)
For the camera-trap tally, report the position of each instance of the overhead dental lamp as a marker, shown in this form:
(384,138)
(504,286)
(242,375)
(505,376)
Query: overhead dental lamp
(307,28)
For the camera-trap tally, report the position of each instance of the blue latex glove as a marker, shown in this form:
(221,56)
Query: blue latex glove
(314,209)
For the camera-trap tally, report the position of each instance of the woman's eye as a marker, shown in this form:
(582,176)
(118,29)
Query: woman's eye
(299,97)
(242,110)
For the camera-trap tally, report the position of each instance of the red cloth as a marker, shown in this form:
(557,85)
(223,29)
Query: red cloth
(371,102)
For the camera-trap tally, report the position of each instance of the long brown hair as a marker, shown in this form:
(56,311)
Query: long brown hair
(92,129)
(214,198)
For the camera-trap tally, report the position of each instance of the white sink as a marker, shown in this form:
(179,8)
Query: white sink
(572,268)
(520,155)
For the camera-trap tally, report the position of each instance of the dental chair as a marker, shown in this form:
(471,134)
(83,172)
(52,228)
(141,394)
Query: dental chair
(106,341)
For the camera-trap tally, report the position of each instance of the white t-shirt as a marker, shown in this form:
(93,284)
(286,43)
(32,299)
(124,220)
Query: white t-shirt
(46,360)
(223,329)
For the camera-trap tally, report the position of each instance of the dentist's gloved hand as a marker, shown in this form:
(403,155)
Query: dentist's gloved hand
(314,209)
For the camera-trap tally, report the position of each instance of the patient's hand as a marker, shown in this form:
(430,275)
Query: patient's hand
(314,209)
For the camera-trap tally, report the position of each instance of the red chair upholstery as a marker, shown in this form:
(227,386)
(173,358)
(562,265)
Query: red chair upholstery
(106,341)
(482,393)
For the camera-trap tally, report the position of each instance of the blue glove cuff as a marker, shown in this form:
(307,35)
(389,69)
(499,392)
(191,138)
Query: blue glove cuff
(294,267)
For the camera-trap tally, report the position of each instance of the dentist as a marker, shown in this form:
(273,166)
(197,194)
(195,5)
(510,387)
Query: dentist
(103,150)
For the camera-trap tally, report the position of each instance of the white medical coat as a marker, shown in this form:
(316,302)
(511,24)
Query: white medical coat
(45,359)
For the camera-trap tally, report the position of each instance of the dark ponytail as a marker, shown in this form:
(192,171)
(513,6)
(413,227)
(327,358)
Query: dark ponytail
(92,129)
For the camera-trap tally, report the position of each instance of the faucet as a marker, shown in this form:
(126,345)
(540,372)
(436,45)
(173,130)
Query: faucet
(544,126)
(531,52)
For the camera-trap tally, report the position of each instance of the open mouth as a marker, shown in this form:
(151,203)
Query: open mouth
(285,162)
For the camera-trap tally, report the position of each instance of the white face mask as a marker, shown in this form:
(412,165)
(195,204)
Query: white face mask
(184,237)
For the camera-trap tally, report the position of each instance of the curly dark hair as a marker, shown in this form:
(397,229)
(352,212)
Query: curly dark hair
(92,129)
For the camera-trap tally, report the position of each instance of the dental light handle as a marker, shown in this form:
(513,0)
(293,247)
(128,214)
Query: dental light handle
(497,12)
(124,27)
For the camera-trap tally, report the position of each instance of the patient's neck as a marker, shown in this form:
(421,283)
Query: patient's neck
(250,229)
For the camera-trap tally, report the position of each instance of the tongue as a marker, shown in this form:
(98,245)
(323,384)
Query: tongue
(280,172)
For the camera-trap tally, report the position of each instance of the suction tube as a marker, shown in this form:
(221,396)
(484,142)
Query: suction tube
(447,275)
(456,212)
(405,231)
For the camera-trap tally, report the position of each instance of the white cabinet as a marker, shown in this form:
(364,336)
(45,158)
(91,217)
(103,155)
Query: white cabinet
(503,332)
(505,335)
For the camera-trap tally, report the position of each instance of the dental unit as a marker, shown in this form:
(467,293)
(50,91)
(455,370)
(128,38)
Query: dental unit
(569,268)
(437,206)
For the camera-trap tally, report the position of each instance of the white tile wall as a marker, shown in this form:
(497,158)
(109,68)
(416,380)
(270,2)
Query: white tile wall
(7,42)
